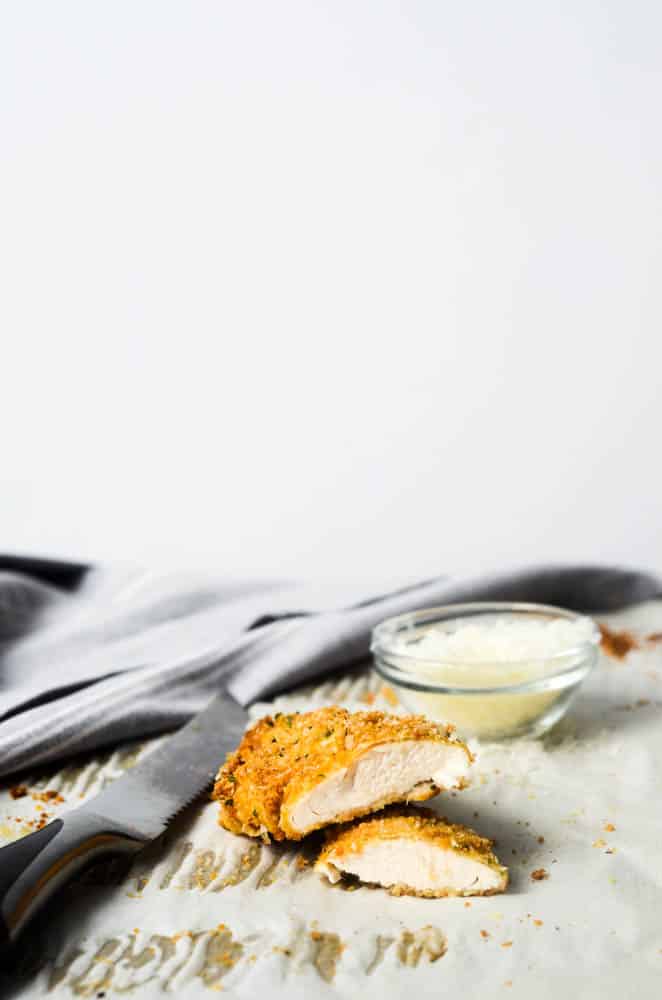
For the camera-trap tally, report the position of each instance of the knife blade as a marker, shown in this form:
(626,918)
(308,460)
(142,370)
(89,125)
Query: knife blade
(134,809)
(147,797)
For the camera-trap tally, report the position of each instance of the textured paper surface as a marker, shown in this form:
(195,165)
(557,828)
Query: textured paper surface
(204,910)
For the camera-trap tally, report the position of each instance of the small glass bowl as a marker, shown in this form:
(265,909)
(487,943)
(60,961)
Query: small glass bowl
(488,701)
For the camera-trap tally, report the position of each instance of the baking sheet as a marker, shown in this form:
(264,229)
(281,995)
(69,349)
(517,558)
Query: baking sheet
(204,910)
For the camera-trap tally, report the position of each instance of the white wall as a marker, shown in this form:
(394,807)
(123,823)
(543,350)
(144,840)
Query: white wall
(344,287)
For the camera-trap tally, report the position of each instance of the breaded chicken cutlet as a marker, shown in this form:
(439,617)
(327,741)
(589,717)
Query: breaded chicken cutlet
(413,852)
(292,774)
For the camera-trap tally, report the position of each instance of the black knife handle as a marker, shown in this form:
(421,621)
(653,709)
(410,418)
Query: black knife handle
(32,868)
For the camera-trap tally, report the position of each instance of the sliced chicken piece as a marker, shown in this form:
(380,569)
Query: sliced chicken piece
(295,773)
(413,852)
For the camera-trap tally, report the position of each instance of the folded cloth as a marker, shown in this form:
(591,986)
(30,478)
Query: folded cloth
(93,656)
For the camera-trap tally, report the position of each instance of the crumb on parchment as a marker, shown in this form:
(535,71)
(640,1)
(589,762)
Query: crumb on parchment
(539,874)
(50,795)
(389,695)
(617,644)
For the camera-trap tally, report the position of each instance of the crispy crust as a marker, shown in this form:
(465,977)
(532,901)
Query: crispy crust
(282,757)
(400,823)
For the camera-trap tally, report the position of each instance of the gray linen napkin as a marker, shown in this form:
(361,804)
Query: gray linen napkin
(91,658)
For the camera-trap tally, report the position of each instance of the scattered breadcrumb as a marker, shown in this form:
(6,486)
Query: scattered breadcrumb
(507,944)
(50,795)
(609,827)
(617,644)
(538,923)
(35,824)
(654,637)
(390,696)
(599,842)
(541,840)
(539,874)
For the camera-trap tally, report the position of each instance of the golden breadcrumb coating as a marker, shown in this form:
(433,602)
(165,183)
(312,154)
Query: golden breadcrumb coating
(402,823)
(282,757)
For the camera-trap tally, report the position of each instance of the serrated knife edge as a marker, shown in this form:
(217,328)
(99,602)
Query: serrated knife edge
(175,773)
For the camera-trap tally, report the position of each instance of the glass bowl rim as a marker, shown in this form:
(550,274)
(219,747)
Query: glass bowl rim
(390,627)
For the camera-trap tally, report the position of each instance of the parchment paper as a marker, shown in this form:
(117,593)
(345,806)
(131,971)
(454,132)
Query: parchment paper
(204,910)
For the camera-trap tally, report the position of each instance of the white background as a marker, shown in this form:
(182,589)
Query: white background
(333,288)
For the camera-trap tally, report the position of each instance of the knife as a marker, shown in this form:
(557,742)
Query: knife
(132,811)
